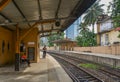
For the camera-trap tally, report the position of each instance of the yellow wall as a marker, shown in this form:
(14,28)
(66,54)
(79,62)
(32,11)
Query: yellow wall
(10,37)
(8,55)
(113,36)
(31,37)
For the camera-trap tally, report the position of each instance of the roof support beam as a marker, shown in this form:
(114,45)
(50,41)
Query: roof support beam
(5,17)
(52,27)
(43,21)
(58,8)
(21,12)
(4,3)
(48,35)
(28,31)
(39,7)
(42,28)
(5,27)
(47,31)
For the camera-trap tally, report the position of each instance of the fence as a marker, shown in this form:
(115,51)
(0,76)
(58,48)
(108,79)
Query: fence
(114,49)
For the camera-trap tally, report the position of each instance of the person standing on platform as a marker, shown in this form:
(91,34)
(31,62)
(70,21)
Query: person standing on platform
(44,51)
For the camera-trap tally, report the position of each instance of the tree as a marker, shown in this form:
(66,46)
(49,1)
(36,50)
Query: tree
(86,37)
(54,37)
(83,27)
(114,9)
(92,14)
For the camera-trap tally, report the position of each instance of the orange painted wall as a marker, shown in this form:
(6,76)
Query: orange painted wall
(10,37)
(7,56)
(31,37)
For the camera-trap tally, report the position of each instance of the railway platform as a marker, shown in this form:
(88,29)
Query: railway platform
(47,70)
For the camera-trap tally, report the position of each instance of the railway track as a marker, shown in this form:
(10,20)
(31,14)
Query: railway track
(76,73)
(105,69)
(106,73)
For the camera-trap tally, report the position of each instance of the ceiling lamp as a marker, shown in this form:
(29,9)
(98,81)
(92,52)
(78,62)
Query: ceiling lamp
(57,23)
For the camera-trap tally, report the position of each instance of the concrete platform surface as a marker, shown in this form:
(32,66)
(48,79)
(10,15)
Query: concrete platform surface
(97,54)
(105,59)
(47,70)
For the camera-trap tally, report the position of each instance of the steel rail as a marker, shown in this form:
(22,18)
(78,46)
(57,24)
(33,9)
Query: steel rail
(88,73)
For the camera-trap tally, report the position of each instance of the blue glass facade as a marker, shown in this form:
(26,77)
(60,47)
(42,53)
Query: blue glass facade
(72,31)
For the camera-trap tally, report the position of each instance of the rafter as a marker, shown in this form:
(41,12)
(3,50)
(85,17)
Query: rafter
(21,12)
(43,21)
(58,8)
(52,27)
(47,31)
(4,3)
(48,35)
(5,27)
(42,29)
(28,31)
(5,17)
(39,7)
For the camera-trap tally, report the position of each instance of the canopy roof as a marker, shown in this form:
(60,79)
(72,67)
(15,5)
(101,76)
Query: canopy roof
(53,16)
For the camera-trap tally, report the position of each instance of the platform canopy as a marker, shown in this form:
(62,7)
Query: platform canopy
(53,16)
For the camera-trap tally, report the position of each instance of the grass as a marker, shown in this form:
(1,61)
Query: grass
(115,67)
(89,65)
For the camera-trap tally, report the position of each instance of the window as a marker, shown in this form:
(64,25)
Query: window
(8,46)
(21,47)
(3,46)
(106,39)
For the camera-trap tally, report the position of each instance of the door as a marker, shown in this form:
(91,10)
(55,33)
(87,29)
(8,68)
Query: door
(31,53)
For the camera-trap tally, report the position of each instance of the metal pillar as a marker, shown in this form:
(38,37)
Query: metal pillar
(17,54)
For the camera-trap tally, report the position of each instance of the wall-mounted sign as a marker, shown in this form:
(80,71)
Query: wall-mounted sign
(31,43)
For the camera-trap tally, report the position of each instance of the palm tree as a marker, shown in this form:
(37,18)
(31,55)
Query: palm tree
(92,13)
(83,27)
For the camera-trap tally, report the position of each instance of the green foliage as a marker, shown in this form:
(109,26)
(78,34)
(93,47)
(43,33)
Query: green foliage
(115,13)
(92,14)
(86,37)
(54,37)
(89,65)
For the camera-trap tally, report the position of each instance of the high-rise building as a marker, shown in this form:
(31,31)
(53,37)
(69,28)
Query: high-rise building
(43,41)
(72,31)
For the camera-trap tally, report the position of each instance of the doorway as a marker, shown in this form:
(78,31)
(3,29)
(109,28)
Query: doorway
(31,53)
